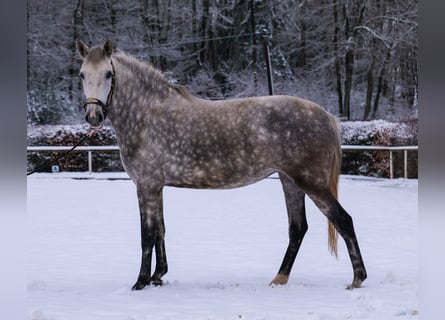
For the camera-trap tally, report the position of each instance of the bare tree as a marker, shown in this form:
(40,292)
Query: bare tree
(356,58)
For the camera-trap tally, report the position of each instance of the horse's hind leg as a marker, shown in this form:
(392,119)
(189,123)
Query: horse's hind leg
(342,222)
(297,227)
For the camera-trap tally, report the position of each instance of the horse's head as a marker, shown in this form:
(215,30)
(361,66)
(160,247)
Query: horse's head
(97,75)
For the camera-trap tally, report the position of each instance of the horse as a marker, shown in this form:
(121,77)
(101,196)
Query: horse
(168,137)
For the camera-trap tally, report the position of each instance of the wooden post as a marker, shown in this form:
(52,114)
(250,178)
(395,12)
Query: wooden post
(267,58)
(254,45)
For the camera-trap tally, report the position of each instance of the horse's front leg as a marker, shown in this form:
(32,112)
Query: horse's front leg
(152,235)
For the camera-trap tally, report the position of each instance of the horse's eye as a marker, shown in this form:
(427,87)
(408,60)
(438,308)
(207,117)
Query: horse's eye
(109,74)
(81,75)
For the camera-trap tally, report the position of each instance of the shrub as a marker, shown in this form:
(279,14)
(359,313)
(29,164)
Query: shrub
(370,163)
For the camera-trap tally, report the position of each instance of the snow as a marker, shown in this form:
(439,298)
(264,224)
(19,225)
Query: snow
(223,248)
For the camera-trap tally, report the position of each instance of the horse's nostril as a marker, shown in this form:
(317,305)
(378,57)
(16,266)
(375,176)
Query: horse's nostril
(94,118)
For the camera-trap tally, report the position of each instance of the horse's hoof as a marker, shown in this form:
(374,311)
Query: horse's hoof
(280,279)
(156,282)
(138,286)
(354,285)
(358,279)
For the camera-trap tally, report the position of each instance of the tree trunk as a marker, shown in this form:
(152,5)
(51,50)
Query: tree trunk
(302,52)
(369,89)
(113,16)
(254,46)
(204,31)
(164,27)
(74,84)
(380,83)
(337,60)
(349,70)
(195,31)
(213,47)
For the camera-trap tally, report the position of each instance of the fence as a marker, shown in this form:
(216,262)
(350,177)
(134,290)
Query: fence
(345,148)
(391,150)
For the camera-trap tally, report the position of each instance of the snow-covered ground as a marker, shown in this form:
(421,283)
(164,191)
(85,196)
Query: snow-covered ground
(223,248)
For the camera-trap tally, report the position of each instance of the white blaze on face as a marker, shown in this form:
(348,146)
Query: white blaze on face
(96,80)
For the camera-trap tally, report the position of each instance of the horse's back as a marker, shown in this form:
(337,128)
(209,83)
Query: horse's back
(230,143)
(284,120)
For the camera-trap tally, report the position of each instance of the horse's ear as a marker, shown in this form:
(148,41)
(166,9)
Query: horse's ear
(82,48)
(108,48)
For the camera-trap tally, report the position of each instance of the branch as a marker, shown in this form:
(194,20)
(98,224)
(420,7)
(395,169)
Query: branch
(376,35)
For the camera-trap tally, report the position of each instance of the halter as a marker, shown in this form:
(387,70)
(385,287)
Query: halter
(109,97)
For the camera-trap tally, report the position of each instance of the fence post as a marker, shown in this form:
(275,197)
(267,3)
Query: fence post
(405,164)
(391,173)
(90,161)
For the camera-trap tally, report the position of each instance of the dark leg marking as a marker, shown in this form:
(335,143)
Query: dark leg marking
(297,227)
(152,235)
(342,221)
(161,256)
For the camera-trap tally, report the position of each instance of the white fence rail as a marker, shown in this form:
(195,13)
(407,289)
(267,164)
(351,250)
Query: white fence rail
(345,148)
(391,150)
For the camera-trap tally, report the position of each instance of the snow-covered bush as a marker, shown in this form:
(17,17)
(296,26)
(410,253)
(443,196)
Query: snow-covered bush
(374,163)
(68,135)
(379,133)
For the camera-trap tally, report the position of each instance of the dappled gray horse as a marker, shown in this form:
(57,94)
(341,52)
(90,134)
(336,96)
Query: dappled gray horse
(167,137)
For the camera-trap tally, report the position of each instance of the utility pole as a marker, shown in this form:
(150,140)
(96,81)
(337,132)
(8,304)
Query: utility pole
(266,37)
(254,48)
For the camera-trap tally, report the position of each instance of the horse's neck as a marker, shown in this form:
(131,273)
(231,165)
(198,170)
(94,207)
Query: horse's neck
(135,95)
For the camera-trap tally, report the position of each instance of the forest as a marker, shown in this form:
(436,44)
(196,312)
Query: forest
(357,59)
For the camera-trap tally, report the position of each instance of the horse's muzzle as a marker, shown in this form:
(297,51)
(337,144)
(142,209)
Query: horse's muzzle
(94,114)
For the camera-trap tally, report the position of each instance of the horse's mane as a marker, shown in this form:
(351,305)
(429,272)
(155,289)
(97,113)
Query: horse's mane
(145,71)
(181,90)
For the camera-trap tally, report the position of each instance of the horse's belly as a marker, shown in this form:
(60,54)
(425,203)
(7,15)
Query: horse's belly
(201,178)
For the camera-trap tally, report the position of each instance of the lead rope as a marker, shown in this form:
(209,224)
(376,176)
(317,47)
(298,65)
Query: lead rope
(87,136)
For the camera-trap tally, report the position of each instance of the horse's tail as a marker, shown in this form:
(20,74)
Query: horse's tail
(333,184)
